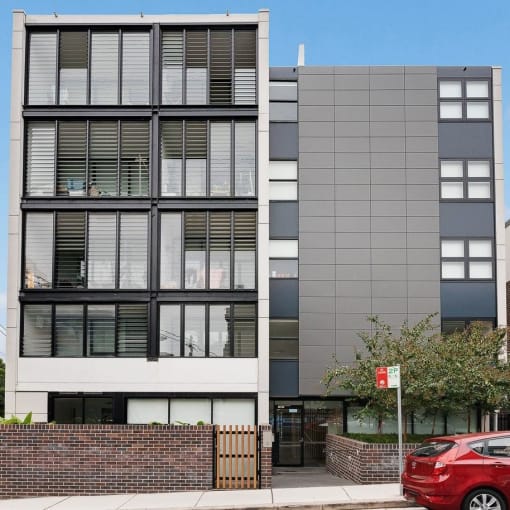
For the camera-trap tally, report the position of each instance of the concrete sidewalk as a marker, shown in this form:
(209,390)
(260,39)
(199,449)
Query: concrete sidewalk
(312,498)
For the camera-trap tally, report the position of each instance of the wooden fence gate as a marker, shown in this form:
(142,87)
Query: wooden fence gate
(236,457)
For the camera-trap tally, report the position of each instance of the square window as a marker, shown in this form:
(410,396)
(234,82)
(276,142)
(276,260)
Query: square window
(452,248)
(480,248)
(480,270)
(450,110)
(479,169)
(280,248)
(452,190)
(452,270)
(449,89)
(478,110)
(147,410)
(477,89)
(479,190)
(451,169)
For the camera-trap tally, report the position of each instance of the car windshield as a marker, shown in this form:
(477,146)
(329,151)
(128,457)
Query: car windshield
(433,448)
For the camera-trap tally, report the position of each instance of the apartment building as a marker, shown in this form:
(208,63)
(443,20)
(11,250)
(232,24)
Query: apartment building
(193,235)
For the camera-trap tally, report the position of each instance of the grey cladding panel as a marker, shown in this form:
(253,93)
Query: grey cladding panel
(464,72)
(283,220)
(283,298)
(283,378)
(468,299)
(282,112)
(283,141)
(466,219)
(465,139)
(283,73)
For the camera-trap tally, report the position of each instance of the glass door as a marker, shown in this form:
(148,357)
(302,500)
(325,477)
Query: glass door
(289,435)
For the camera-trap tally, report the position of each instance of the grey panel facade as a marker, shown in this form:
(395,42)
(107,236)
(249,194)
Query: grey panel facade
(283,220)
(468,299)
(283,378)
(283,298)
(465,139)
(283,141)
(467,219)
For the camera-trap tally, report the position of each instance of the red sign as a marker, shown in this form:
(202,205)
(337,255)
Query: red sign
(381,377)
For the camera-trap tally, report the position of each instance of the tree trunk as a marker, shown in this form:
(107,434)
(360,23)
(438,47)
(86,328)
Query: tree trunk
(469,420)
(379,424)
(434,423)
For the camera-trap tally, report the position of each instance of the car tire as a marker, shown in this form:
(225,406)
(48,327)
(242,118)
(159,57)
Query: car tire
(484,499)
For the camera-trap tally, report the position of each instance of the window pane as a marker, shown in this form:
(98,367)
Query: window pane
(42,68)
(480,269)
(282,91)
(40,159)
(132,326)
(480,248)
(169,330)
(103,159)
(477,89)
(73,63)
(104,68)
(452,270)
(244,331)
(452,248)
(70,249)
(196,67)
(287,268)
(283,170)
(282,190)
(479,190)
(194,250)
(283,248)
(170,251)
(245,159)
(450,110)
(196,158)
(233,412)
(283,328)
(68,330)
(71,158)
(36,339)
(98,410)
(479,169)
(452,190)
(220,158)
(102,243)
(172,61)
(245,232)
(450,89)
(479,110)
(194,331)
(190,411)
(147,410)
(101,330)
(135,67)
(283,349)
(245,67)
(39,250)
(219,246)
(68,410)
(221,67)
(171,158)
(133,251)
(134,162)
(219,327)
(452,169)
(451,326)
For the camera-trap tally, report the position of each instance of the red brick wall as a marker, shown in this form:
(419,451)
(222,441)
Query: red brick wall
(266,461)
(364,463)
(44,460)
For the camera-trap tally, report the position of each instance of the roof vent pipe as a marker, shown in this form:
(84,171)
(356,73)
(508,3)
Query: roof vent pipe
(301,55)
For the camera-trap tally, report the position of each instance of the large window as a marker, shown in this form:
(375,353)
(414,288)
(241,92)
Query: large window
(77,330)
(461,99)
(208,158)
(208,330)
(202,66)
(283,339)
(86,250)
(208,250)
(83,410)
(467,259)
(98,159)
(94,67)
(465,179)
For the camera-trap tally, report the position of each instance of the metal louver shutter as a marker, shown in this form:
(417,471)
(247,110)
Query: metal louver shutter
(221,133)
(70,249)
(171,158)
(245,246)
(73,63)
(219,246)
(42,68)
(244,331)
(40,159)
(196,158)
(133,251)
(39,250)
(172,62)
(134,158)
(195,244)
(102,242)
(71,158)
(104,68)
(36,339)
(103,159)
(245,177)
(196,67)
(132,323)
(221,67)
(101,330)
(68,330)
(245,81)
(135,67)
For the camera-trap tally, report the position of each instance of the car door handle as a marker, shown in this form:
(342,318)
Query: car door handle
(498,464)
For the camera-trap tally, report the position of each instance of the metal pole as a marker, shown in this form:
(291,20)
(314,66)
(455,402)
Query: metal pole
(399,418)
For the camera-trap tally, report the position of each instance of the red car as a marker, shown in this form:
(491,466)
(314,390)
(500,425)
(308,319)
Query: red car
(461,472)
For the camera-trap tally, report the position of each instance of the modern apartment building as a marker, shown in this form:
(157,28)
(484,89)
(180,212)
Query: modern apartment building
(194,235)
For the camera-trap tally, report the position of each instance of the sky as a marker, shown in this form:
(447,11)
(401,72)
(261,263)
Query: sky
(334,32)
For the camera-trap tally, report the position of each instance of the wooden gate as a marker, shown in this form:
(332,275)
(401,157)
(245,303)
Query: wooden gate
(236,459)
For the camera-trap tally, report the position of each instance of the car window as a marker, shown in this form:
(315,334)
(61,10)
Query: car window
(433,448)
(498,447)
(477,446)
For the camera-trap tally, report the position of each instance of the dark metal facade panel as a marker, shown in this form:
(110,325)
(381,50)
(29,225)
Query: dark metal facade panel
(283,378)
(468,299)
(283,220)
(283,298)
(466,219)
(465,139)
(283,74)
(464,72)
(283,141)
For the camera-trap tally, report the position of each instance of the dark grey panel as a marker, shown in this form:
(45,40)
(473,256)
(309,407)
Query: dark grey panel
(283,378)
(283,220)
(464,72)
(465,139)
(282,112)
(283,141)
(283,299)
(468,299)
(466,219)
(283,73)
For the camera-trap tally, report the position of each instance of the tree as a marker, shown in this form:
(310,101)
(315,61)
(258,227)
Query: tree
(439,373)
(2,387)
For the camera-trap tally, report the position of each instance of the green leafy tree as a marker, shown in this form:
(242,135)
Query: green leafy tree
(2,387)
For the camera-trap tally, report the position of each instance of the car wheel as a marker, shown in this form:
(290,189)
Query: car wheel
(484,499)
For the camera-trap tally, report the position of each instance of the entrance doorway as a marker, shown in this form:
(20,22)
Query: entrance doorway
(288,427)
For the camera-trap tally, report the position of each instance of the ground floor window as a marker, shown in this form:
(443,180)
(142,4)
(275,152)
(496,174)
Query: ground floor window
(83,410)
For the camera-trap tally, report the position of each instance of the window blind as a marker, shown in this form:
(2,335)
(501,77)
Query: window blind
(221,67)
(40,159)
(36,340)
(73,64)
(133,251)
(172,62)
(245,159)
(219,246)
(245,83)
(71,158)
(68,330)
(132,326)
(220,158)
(196,67)
(42,68)
(104,68)
(171,158)
(102,242)
(134,158)
(103,158)
(135,67)
(38,250)
(196,158)
(70,249)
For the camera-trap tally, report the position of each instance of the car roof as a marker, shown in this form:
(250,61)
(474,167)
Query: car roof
(473,436)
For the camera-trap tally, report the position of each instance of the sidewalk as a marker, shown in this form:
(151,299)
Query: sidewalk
(312,498)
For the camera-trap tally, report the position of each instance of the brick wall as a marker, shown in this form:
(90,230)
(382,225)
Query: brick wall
(266,461)
(54,460)
(363,463)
